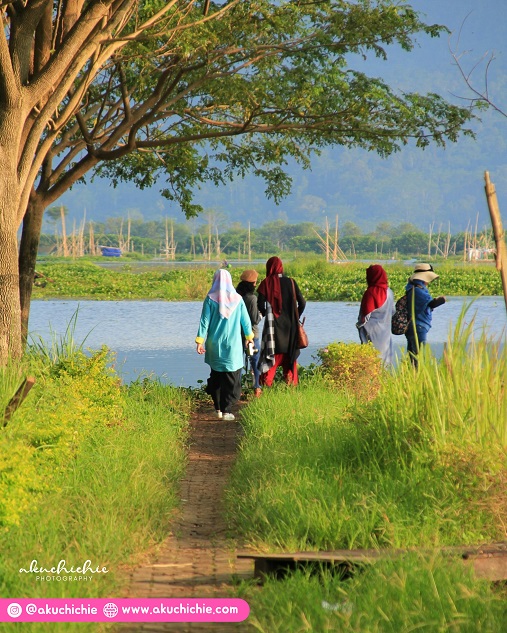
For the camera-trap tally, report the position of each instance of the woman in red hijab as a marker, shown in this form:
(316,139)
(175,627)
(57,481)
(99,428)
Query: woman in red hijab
(375,313)
(279,335)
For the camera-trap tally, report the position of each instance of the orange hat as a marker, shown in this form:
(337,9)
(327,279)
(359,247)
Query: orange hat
(249,275)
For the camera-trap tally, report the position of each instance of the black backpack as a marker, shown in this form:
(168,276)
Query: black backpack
(401,317)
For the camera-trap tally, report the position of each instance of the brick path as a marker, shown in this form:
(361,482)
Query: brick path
(198,560)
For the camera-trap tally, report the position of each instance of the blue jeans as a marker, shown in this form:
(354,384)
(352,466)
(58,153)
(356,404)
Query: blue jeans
(253,360)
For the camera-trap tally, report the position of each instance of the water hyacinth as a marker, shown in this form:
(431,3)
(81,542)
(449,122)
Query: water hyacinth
(318,280)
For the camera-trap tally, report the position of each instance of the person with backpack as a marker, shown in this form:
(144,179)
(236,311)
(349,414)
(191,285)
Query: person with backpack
(375,313)
(420,305)
(246,288)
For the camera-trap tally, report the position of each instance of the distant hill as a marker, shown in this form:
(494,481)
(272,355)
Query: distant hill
(433,186)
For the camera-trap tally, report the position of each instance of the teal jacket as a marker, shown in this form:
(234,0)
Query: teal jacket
(222,337)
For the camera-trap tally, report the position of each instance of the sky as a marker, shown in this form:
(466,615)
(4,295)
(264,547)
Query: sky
(478,33)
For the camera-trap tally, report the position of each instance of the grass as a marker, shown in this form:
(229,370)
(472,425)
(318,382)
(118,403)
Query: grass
(422,466)
(316,472)
(393,596)
(97,477)
(88,471)
(462,397)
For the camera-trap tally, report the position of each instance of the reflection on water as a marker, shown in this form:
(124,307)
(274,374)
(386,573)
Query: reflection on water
(158,336)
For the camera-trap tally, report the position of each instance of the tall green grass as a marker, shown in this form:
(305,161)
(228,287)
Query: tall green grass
(422,465)
(461,396)
(91,470)
(413,593)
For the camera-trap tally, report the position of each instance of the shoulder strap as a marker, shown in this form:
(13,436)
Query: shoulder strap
(295,300)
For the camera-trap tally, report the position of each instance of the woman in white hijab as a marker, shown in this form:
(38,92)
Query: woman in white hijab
(223,319)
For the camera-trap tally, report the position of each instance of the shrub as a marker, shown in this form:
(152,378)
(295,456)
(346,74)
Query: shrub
(73,395)
(353,367)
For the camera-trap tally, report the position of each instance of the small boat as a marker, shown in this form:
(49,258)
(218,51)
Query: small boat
(110,251)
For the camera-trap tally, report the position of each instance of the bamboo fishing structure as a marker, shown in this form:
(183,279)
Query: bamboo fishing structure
(335,254)
(170,244)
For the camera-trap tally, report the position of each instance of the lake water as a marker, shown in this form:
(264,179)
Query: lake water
(157,337)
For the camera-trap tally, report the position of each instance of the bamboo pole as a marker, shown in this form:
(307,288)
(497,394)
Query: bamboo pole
(64,232)
(74,241)
(327,240)
(447,242)
(217,243)
(166,239)
(209,238)
(120,236)
(437,243)
(466,245)
(335,249)
(498,232)
(91,239)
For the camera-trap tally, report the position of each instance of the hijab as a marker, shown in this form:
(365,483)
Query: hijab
(376,293)
(270,287)
(223,292)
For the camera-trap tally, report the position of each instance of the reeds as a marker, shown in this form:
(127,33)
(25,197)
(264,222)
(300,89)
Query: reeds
(461,395)
(421,467)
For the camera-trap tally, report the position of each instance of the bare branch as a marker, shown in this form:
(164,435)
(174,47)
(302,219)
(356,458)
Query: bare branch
(479,96)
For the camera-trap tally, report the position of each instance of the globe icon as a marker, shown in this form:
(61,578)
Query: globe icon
(110,610)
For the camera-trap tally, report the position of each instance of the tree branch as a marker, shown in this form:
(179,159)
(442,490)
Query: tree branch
(9,86)
(480,96)
(23,26)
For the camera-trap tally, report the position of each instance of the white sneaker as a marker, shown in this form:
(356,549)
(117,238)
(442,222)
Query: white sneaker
(228,416)
(219,414)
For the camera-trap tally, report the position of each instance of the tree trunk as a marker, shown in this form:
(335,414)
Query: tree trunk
(10,194)
(10,312)
(28,249)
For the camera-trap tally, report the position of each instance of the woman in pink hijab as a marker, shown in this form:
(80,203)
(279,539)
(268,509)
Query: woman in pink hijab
(224,318)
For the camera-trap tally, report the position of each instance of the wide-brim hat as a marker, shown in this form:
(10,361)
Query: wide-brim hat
(422,267)
(249,275)
(424,275)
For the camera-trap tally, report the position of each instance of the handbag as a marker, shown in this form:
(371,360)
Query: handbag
(301,336)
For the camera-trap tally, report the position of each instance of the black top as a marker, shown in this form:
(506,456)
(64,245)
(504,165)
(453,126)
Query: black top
(246,290)
(286,323)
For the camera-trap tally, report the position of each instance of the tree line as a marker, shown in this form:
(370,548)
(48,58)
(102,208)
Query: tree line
(187,240)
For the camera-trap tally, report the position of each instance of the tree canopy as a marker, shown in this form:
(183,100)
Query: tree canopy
(191,91)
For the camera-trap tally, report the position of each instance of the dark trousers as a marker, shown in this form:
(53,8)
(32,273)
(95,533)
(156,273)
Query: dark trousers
(415,338)
(225,389)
